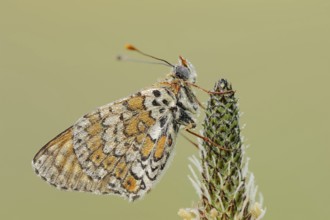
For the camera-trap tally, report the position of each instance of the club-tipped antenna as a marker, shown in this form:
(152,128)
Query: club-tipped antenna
(128,59)
(131,47)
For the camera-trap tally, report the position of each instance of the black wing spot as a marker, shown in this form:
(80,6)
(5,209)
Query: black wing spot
(163,121)
(156,93)
(121,117)
(79,141)
(142,185)
(155,103)
(115,130)
(174,109)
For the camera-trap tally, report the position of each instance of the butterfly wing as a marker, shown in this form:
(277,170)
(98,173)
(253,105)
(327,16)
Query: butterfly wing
(120,148)
(57,164)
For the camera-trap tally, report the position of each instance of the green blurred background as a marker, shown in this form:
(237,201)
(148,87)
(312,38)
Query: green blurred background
(57,62)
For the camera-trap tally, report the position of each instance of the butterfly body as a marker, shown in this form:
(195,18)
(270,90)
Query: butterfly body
(123,147)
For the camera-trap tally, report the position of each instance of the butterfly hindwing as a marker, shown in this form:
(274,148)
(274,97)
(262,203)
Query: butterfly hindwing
(57,164)
(119,148)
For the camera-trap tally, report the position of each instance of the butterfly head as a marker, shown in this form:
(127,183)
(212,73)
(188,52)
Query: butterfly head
(185,70)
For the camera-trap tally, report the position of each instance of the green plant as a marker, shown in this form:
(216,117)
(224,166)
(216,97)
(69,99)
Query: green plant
(226,188)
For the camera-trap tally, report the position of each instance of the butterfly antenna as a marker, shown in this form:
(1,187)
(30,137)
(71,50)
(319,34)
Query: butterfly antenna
(126,58)
(131,47)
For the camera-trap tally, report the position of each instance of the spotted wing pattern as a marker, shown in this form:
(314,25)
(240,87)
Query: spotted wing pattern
(57,164)
(120,148)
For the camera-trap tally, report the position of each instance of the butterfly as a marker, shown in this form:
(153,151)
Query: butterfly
(123,147)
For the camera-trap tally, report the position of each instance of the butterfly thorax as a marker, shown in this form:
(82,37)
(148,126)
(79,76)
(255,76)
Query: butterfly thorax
(177,84)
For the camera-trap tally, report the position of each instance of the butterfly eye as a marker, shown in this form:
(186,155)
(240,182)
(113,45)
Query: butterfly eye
(182,72)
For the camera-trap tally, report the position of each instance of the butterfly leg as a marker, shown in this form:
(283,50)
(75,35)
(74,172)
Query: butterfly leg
(211,92)
(200,104)
(205,139)
(189,140)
